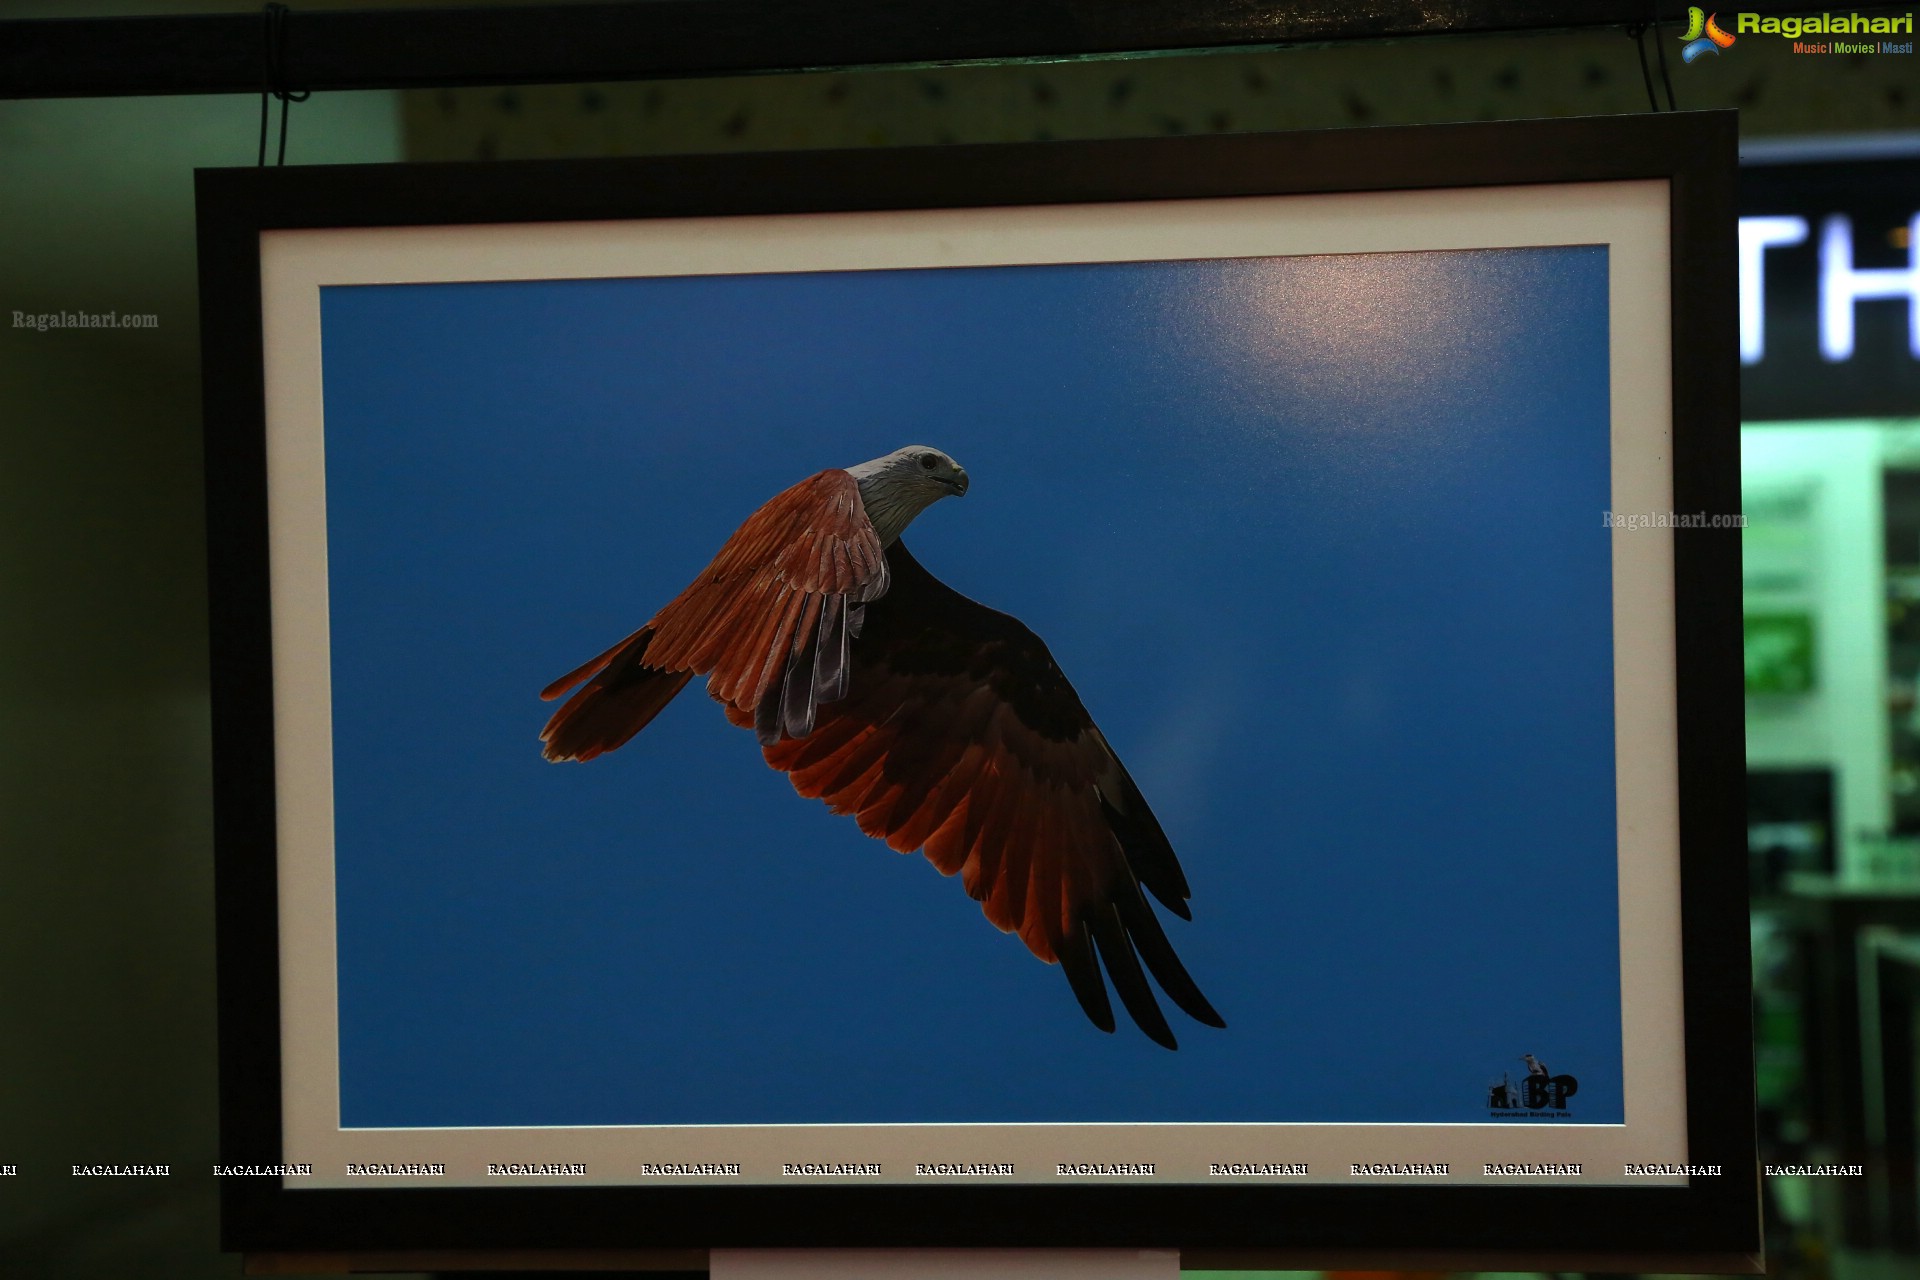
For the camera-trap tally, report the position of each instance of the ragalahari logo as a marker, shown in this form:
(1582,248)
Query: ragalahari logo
(1703,35)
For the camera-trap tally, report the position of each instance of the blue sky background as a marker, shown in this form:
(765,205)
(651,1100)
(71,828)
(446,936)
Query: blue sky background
(1317,539)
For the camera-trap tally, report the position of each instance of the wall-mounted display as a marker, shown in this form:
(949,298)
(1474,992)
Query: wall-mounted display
(1179,693)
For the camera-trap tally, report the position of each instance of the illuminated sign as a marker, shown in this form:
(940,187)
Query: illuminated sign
(1829,269)
(1843,285)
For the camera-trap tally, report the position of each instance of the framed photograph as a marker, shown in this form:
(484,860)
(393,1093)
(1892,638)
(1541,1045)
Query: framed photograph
(1286,804)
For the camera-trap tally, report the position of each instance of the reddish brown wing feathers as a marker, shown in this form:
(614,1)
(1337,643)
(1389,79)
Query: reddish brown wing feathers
(961,737)
(768,622)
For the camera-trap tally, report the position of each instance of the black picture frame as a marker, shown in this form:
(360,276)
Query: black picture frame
(1709,1222)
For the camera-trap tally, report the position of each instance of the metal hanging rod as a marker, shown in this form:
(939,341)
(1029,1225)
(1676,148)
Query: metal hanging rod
(648,39)
(433,48)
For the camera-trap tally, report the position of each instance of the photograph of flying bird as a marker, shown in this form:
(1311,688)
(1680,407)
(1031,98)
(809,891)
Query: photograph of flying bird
(1256,571)
(939,724)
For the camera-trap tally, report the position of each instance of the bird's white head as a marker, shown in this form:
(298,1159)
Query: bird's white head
(900,485)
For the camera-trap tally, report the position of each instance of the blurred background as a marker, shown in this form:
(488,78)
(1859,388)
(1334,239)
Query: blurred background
(106,955)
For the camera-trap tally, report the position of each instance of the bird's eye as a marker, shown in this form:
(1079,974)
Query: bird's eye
(927,461)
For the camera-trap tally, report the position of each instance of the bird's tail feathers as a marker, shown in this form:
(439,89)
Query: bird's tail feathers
(593,666)
(621,697)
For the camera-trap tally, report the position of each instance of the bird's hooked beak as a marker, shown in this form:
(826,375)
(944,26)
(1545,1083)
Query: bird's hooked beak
(959,481)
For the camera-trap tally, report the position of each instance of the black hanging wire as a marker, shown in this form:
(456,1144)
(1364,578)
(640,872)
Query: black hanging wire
(1637,30)
(273,71)
(1660,50)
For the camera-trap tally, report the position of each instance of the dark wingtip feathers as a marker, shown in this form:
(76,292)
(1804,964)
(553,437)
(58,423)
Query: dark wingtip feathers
(1083,975)
(1129,981)
(1144,931)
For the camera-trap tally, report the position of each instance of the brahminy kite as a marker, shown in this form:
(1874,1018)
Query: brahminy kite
(940,724)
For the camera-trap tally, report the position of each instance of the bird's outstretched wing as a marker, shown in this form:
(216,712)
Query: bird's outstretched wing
(768,622)
(959,736)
